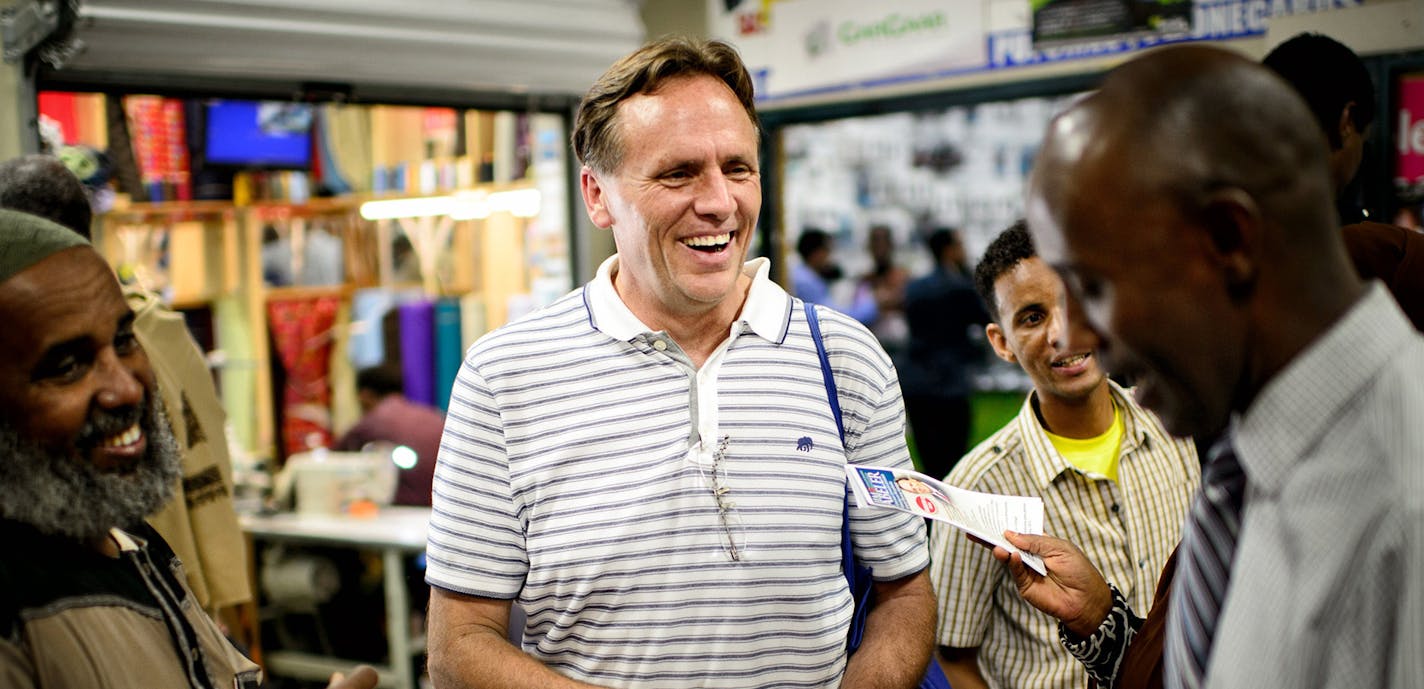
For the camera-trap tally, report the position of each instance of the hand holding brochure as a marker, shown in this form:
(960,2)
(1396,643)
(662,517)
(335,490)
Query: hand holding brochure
(983,515)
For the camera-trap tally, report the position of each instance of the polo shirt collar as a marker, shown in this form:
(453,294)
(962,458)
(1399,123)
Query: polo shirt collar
(1044,461)
(767,311)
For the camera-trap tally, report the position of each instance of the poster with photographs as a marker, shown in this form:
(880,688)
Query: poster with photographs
(963,167)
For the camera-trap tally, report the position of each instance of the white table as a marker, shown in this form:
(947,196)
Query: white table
(396,532)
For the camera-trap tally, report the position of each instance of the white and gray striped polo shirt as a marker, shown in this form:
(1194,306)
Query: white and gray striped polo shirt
(576,475)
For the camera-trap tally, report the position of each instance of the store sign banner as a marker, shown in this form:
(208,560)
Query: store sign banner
(802,46)
(1056,21)
(1212,20)
(799,48)
(1409,163)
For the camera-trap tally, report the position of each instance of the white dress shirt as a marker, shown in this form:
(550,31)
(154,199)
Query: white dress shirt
(1328,585)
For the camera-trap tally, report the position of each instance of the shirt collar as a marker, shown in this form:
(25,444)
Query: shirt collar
(767,311)
(1301,402)
(1044,461)
(125,541)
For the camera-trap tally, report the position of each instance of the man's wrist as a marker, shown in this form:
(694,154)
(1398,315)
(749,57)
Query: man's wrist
(1102,651)
(1095,613)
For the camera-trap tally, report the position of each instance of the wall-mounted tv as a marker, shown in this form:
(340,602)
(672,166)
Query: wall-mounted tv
(263,134)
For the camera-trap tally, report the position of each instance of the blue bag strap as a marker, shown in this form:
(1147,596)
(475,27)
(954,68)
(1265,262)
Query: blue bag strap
(934,677)
(830,380)
(847,553)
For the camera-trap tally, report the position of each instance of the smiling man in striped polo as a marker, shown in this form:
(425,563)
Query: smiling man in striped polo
(650,465)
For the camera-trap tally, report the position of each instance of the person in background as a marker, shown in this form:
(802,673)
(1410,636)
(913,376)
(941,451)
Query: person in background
(650,465)
(90,595)
(1230,295)
(812,278)
(42,185)
(1337,87)
(311,256)
(1410,216)
(200,524)
(1110,477)
(388,417)
(886,283)
(276,258)
(940,309)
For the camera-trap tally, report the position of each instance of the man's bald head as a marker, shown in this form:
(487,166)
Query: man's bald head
(41,185)
(1184,121)
(1188,205)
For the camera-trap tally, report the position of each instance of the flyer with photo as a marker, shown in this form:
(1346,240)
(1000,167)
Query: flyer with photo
(983,515)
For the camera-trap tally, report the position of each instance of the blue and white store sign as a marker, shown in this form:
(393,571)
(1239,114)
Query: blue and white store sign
(800,48)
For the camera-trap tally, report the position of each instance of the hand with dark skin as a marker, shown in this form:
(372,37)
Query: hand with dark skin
(1074,592)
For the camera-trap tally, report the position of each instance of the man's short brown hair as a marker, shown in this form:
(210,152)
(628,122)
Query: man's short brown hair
(596,138)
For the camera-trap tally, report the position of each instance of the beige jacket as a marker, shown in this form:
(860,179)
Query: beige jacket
(72,618)
(199,523)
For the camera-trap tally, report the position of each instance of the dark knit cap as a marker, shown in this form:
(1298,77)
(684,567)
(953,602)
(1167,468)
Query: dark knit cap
(28,239)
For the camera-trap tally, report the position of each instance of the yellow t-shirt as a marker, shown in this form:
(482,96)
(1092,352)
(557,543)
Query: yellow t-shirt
(1095,456)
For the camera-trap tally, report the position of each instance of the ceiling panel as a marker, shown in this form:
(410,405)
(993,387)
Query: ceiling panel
(529,46)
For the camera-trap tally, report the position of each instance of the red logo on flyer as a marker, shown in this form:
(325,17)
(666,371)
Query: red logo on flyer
(925,503)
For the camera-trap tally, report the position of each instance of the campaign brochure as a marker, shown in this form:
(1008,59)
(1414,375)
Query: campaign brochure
(983,515)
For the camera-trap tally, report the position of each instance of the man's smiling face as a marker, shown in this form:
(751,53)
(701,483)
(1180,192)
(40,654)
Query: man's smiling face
(87,447)
(684,200)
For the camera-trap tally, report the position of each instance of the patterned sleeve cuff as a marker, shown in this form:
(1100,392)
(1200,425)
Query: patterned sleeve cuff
(1102,653)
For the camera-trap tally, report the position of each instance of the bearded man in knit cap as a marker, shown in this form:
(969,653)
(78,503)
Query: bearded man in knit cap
(90,596)
(199,523)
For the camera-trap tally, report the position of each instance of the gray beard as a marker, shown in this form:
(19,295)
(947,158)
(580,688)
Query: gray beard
(67,496)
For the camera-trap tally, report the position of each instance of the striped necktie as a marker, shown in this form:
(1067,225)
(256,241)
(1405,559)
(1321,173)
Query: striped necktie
(1204,568)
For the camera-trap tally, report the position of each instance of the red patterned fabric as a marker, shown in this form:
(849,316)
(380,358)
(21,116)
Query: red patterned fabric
(301,331)
(160,145)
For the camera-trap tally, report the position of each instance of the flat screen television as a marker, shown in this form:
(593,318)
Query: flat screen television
(263,134)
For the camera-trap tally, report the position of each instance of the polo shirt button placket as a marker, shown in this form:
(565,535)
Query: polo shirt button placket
(660,345)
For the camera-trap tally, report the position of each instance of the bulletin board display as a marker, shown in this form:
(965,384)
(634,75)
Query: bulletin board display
(963,167)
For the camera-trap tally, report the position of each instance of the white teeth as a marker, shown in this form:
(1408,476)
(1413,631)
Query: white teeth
(709,240)
(128,437)
(1072,360)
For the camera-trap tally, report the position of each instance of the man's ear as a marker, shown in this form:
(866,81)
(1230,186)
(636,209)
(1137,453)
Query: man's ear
(1346,125)
(595,198)
(1234,226)
(1000,343)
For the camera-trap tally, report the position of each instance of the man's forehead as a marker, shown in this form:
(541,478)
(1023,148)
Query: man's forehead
(1043,228)
(61,297)
(1028,282)
(1073,134)
(642,108)
(1081,190)
(1063,258)
(681,97)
